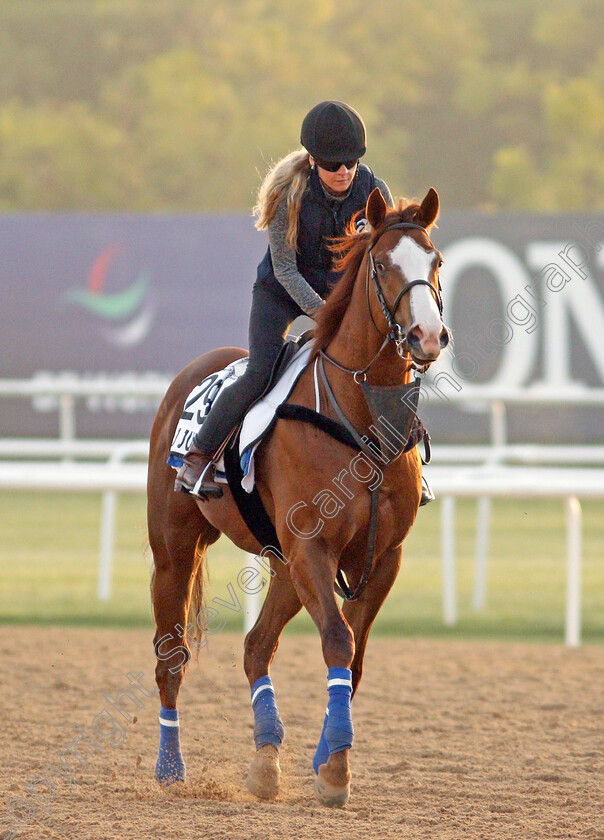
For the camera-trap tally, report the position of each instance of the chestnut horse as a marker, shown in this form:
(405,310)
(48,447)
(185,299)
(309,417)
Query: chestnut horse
(382,319)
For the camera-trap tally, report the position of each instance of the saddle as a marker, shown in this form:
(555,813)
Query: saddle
(201,399)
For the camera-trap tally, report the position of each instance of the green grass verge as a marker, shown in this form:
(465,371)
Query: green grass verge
(49,562)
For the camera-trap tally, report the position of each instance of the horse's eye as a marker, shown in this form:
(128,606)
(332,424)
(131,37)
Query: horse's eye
(380,266)
(440,262)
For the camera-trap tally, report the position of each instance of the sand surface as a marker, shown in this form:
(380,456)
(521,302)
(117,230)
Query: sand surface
(453,740)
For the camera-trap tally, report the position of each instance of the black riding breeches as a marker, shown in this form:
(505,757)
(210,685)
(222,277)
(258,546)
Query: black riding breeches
(271,315)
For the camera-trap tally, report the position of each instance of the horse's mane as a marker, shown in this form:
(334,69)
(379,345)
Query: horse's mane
(350,250)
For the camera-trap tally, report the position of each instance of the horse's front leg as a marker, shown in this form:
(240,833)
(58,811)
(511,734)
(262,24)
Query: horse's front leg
(281,605)
(313,573)
(361,613)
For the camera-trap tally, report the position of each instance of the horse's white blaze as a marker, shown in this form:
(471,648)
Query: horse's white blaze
(415,264)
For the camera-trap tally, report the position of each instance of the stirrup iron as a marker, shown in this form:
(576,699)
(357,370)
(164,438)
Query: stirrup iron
(210,491)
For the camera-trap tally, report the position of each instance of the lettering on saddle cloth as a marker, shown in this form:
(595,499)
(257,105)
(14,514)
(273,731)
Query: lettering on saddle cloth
(197,407)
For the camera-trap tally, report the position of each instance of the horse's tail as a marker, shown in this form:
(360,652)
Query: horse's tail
(197,592)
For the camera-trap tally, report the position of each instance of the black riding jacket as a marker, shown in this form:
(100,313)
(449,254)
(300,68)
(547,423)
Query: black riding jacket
(322,218)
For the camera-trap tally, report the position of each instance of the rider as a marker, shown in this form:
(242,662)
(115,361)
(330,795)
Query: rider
(306,199)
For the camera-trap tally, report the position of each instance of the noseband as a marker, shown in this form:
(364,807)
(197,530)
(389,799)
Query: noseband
(396,332)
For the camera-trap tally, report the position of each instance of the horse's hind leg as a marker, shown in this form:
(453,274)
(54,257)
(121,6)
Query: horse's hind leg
(281,605)
(176,525)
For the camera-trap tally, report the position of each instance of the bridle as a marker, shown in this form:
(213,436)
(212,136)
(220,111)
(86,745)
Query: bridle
(395,333)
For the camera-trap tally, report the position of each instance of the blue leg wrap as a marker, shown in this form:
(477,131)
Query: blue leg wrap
(268,727)
(170,765)
(322,753)
(338,730)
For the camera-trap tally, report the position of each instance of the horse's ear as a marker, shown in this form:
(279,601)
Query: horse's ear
(428,211)
(376,208)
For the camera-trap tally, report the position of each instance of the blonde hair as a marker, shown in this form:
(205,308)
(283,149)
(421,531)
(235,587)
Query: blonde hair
(289,175)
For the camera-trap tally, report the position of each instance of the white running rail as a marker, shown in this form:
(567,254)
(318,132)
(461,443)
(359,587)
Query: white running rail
(482,471)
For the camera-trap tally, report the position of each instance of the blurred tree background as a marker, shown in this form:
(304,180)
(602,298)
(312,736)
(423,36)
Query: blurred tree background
(182,104)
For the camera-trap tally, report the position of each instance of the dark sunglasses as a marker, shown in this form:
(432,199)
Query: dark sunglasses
(333,167)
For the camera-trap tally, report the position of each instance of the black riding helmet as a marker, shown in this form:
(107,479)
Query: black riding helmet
(333,131)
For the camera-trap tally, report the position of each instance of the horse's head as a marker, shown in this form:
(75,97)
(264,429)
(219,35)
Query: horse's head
(404,267)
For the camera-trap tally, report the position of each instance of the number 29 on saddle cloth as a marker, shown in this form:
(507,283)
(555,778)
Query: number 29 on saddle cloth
(197,407)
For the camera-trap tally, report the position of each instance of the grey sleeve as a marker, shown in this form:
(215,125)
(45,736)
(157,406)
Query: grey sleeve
(285,266)
(383,187)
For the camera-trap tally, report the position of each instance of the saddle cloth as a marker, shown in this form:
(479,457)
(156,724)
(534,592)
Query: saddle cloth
(257,422)
(197,407)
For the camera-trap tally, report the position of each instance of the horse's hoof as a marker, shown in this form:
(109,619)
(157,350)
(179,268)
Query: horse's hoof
(169,770)
(264,773)
(332,782)
(165,780)
(330,795)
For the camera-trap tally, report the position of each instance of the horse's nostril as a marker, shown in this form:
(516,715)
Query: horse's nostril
(413,338)
(444,337)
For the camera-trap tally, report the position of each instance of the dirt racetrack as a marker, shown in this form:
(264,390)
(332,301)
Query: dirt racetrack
(453,740)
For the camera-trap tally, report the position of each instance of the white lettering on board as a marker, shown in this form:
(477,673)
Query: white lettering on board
(571,295)
(540,301)
(519,347)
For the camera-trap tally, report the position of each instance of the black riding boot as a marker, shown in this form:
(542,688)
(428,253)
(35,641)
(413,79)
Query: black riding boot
(197,464)
(272,313)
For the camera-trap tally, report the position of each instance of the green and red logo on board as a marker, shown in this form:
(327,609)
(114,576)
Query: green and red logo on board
(124,317)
